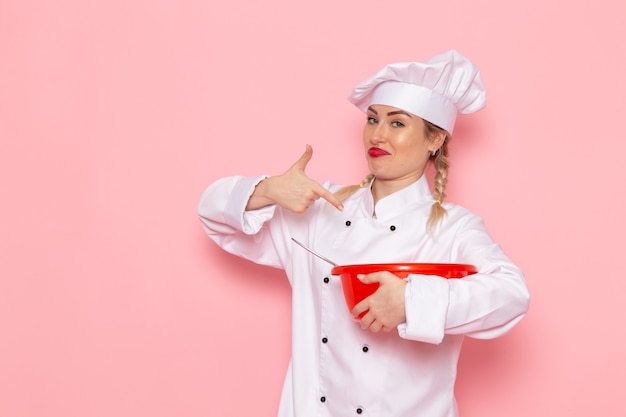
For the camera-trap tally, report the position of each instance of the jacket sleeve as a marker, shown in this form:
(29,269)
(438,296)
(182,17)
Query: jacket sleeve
(222,211)
(484,305)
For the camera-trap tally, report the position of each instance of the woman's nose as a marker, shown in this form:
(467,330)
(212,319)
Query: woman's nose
(378,134)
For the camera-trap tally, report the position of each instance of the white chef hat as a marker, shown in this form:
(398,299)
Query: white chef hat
(435,90)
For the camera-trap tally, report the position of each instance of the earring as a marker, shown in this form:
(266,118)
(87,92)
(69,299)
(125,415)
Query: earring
(433,152)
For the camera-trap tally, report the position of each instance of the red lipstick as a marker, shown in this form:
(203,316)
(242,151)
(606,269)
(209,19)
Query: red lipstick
(375,152)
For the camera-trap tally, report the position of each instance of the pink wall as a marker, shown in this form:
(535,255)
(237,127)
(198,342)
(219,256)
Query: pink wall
(114,116)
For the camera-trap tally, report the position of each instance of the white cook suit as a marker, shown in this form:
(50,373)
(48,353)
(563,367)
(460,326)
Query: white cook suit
(338,369)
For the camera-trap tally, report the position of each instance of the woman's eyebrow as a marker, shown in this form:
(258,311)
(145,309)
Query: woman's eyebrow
(391,113)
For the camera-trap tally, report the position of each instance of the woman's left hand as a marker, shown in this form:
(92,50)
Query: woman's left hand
(386,305)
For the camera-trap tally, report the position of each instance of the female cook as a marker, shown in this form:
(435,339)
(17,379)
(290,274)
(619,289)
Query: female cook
(341,366)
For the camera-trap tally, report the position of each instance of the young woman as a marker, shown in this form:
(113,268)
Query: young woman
(342,366)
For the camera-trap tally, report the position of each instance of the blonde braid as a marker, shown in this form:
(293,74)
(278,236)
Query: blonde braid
(347,191)
(440,161)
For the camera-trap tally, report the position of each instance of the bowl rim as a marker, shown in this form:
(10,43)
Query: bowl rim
(402,267)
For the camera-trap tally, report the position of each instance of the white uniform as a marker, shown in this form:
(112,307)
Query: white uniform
(337,369)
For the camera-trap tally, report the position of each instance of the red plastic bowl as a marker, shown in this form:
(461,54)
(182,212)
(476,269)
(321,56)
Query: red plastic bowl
(355,291)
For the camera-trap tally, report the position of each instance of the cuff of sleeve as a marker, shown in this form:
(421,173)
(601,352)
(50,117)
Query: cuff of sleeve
(426,300)
(250,222)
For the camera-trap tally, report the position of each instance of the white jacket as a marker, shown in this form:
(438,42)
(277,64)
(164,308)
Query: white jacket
(337,369)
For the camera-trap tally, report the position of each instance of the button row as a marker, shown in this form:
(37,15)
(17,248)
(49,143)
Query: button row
(359,410)
(392,227)
(364,348)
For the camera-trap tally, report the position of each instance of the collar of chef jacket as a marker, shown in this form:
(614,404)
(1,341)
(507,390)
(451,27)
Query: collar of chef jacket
(394,204)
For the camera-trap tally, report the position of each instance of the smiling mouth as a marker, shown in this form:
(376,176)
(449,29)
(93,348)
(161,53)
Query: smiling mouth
(377,152)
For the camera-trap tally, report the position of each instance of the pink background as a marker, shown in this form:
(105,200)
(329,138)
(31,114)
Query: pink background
(115,115)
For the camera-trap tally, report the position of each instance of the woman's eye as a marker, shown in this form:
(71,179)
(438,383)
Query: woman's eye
(397,124)
(372,120)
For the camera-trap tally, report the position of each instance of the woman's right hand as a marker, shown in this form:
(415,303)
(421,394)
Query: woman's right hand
(292,190)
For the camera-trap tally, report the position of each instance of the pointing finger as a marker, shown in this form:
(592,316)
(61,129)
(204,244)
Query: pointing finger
(330,197)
